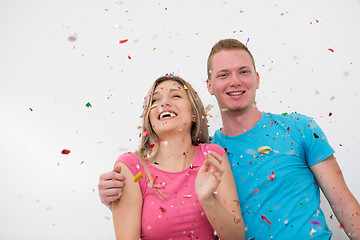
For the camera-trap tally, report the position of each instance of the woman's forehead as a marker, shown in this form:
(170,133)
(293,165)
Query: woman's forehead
(169,85)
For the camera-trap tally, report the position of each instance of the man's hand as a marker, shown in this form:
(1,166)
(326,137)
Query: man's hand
(110,186)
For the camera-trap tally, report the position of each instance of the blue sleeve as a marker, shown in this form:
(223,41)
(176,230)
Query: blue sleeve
(316,145)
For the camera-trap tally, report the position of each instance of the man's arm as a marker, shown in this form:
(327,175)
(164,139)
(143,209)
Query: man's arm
(110,185)
(346,208)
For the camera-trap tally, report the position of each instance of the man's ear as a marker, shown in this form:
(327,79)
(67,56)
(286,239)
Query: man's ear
(209,86)
(257,80)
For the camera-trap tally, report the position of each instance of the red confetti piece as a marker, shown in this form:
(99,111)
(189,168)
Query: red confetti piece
(265,218)
(129,57)
(331,50)
(123,41)
(65,151)
(255,191)
(272,176)
(330,114)
(152,146)
(341,225)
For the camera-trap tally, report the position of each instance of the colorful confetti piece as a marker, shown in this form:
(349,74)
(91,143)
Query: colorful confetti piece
(331,50)
(123,41)
(65,151)
(88,104)
(265,218)
(264,149)
(137,177)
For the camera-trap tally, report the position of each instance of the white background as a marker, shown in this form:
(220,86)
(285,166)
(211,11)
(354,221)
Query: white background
(47,80)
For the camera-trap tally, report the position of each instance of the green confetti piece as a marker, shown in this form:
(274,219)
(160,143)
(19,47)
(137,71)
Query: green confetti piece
(81,162)
(88,104)
(284,114)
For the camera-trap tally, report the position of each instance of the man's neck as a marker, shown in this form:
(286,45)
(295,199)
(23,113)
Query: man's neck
(236,123)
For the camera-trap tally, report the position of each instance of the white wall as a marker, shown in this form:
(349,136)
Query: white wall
(46,81)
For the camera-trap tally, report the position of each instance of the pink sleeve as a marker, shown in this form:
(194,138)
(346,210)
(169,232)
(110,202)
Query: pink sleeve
(131,161)
(213,148)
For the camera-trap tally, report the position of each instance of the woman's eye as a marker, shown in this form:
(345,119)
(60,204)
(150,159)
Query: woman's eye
(177,96)
(154,100)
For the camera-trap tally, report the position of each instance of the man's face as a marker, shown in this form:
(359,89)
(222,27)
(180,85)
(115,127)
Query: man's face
(233,80)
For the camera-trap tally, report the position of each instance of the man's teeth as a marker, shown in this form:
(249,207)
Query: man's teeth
(235,93)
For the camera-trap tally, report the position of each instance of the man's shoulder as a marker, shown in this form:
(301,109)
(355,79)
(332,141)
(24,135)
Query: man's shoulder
(288,117)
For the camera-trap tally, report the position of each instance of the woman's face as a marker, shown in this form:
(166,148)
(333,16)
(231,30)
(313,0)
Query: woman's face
(171,111)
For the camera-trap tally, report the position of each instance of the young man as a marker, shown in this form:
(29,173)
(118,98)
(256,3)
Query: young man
(279,162)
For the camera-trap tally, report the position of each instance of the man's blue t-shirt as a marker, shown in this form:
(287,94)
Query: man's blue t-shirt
(279,196)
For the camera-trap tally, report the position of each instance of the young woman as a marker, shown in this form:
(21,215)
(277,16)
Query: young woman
(177,185)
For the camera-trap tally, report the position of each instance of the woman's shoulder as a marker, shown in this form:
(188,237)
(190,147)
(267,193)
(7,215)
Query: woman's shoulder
(213,147)
(130,159)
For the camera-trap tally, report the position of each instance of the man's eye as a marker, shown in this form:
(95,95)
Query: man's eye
(154,100)
(222,75)
(245,72)
(177,96)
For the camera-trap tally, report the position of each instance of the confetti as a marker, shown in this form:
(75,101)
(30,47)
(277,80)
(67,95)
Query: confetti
(264,149)
(247,42)
(272,176)
(72,38)
(30,109)
(65,151)
(314,222)
(129,57)
(185,87)
(330,49)
(265,218)
(82,162)
(311,232)
(316,136)
(123,41)
(137,177)
(145,133)
(88,104)
(330,114)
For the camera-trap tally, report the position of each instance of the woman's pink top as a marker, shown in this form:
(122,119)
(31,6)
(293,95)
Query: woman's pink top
(179,215)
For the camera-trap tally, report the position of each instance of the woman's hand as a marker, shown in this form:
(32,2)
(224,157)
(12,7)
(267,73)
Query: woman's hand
(209,176)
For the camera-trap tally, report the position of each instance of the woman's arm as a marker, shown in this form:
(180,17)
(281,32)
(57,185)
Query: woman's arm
(127,212)
(343,203)
(222,208)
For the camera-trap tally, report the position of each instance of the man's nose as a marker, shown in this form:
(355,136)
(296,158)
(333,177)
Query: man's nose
(235,80)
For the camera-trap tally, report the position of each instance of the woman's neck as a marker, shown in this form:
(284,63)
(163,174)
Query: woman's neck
(175,154)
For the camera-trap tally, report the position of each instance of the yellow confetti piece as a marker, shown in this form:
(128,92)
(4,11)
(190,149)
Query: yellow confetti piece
(311,232)
(187,195)
(185,87)
(182,202)
(137,177)
(180,129)
(264,149)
